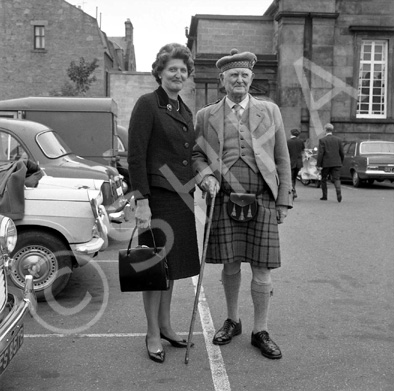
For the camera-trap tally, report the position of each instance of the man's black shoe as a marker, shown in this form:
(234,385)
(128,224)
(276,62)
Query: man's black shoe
(323,199)
(339,197)
(229,330)
(266,345)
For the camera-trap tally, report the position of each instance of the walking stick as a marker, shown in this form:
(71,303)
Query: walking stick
(196,299)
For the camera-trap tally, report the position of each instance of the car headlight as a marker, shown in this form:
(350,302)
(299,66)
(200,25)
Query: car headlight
(8,234)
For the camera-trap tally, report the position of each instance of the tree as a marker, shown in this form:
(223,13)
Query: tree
(81,76)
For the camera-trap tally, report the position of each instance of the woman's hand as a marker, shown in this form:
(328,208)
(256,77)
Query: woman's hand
(143,214)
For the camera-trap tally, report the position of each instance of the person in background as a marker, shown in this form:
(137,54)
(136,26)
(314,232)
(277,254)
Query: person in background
(296,147)
(161,138)
(241,155)
(330,158)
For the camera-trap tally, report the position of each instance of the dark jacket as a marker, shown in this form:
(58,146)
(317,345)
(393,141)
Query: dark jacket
(330,152)
(14,176)
(160,145)
(296,147)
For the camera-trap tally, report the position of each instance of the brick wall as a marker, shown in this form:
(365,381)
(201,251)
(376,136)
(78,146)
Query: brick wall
(69,34)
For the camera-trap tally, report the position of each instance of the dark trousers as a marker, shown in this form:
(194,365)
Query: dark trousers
(334,173)
(294,173)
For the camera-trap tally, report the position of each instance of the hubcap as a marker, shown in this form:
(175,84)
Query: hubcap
(38,261)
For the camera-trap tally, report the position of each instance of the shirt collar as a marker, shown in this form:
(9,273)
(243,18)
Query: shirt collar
(243,103)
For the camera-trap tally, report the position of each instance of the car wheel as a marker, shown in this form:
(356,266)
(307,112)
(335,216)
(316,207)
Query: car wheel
(305,182)
(44,256)
(356,179)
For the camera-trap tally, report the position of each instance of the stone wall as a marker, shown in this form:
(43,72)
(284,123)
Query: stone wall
(220,35)
(69,34)
(127,87)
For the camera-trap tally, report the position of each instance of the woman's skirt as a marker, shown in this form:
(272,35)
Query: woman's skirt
(255,241)
(174,227)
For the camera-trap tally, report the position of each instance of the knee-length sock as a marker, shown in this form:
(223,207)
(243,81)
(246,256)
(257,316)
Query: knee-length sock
(231,285)
(261,295)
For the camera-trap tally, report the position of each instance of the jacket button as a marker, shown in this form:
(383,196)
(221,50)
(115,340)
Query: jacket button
(184,129)
(185,162)
(186,145)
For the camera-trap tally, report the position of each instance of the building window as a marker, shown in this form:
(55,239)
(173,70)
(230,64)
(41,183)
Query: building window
(39,37)
(372,80)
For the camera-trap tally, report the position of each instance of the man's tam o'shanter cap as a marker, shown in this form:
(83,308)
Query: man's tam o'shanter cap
(236,60)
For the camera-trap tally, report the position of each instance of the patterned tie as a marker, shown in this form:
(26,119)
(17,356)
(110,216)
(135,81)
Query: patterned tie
(237,109)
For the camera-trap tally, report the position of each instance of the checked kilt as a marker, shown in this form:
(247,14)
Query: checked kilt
(255,241)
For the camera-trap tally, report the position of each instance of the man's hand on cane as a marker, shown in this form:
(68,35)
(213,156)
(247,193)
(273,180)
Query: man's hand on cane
(210,185)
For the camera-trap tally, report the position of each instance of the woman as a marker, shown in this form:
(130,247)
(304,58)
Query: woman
(161,138)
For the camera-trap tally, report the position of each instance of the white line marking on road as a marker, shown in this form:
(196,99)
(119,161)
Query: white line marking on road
(218,369)
(105,261)
(105,335)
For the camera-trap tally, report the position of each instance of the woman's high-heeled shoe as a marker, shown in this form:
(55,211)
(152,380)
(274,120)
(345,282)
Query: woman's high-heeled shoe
(176,344)
(155,356)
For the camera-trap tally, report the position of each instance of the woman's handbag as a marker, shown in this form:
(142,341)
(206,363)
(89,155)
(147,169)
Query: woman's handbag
(242,207)
(143,268)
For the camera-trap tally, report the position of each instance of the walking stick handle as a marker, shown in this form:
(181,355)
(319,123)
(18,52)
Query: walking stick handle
(200,276)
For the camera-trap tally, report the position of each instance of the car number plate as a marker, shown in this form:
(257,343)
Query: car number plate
(388,169)
(11,349)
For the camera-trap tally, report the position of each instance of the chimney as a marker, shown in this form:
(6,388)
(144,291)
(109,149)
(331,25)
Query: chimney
(129,30)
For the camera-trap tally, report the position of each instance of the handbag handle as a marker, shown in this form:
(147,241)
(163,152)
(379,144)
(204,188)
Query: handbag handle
(131,239)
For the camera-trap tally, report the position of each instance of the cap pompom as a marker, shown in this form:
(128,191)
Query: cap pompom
(233,51)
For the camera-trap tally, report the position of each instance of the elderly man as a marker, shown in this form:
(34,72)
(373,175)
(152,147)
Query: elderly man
(241,158)
(330,158)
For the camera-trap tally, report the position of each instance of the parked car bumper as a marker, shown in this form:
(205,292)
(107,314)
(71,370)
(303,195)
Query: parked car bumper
(376,175)
(84,252)
(11,328)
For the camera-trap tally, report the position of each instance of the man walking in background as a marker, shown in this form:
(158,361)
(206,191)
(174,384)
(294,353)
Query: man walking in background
(330,158)
(296,147)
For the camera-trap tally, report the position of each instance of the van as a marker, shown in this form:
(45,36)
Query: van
(87,125)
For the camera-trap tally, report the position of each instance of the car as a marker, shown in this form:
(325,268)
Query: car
(121,164)
(59,228)
(28,140)
(15,303)
(367,161)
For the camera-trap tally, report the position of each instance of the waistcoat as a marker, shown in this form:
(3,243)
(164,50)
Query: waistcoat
(237,140)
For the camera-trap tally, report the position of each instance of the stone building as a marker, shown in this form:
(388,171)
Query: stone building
(40,38)
(319,60)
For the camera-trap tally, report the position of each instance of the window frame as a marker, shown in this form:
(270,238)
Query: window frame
(384,63)
(39,37)
(374,33)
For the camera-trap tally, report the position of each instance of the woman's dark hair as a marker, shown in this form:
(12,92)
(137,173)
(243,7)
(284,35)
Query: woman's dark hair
(169,52)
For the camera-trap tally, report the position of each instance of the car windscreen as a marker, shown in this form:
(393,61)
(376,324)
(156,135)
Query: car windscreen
(52,145)
(366,148)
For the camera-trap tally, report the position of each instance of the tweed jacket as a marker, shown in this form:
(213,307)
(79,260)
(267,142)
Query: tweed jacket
(160,145)
(330,152)
(268,143)
(296,147)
